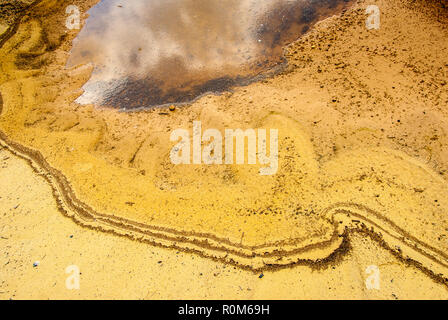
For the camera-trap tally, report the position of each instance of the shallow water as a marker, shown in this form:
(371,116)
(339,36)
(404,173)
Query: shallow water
(154,52)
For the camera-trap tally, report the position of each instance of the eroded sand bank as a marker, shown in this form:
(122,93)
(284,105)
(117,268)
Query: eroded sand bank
(36,231)
(361,117)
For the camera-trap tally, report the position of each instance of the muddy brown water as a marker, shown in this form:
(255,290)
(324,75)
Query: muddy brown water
(150,53)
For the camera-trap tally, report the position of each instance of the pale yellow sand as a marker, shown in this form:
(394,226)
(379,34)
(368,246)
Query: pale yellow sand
(118,268)
(362,181)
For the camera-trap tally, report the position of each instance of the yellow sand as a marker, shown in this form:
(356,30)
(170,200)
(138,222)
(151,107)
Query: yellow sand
(361,181)
(115,268)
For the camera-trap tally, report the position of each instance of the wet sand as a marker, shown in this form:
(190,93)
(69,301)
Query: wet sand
(152,53)
(361,120)
(36,231)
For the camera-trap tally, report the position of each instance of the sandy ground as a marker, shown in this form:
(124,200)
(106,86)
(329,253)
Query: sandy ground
(362,180)
(114,267)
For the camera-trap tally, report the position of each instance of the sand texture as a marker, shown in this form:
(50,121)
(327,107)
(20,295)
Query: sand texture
(362,178)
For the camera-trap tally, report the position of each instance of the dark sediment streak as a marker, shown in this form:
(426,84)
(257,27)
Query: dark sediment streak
(172,79)
(14,13)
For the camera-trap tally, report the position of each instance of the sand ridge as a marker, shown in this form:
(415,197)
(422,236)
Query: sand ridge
(345,218)
(384,189)
(33,229)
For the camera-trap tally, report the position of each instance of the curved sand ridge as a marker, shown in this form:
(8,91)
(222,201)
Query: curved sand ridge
(303,215)
(345,218)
